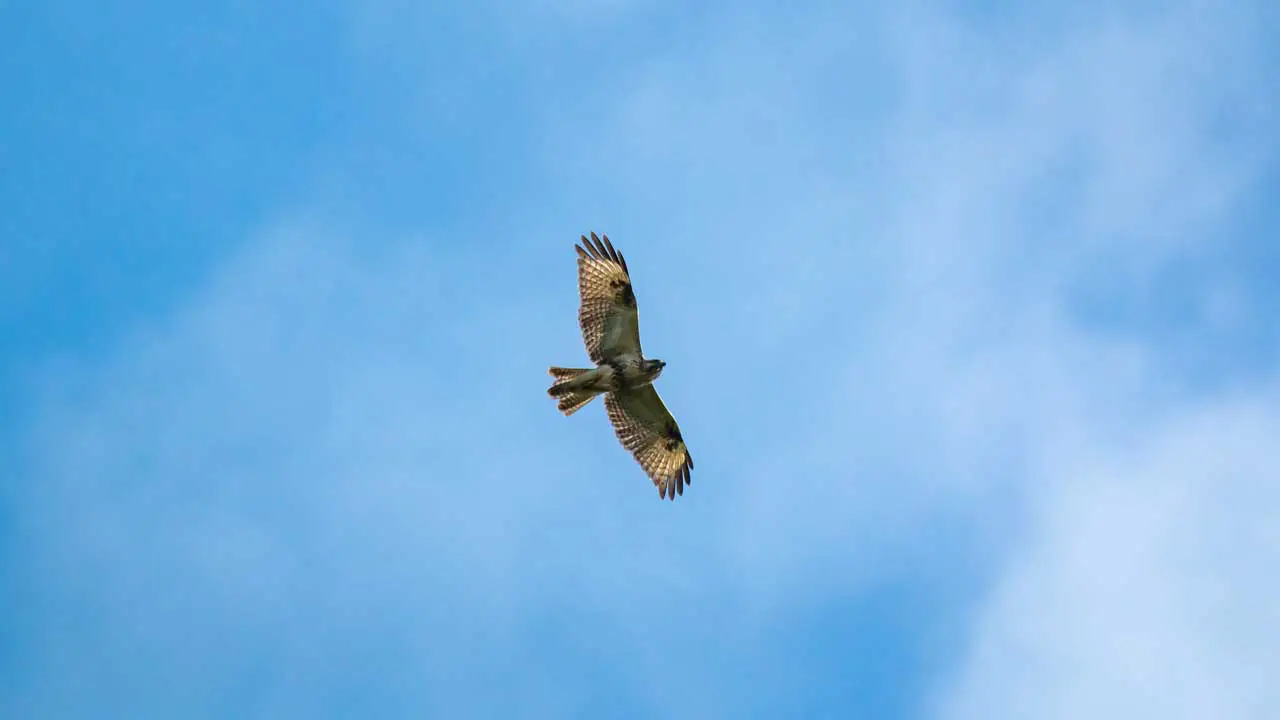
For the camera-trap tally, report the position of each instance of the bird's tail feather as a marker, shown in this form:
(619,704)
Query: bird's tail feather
(573,402)
(564,375)
(572,396)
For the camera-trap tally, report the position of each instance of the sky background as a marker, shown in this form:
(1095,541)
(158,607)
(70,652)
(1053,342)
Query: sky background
(970,311)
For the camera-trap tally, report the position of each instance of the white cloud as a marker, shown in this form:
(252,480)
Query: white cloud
(1144,589)
(1136,592)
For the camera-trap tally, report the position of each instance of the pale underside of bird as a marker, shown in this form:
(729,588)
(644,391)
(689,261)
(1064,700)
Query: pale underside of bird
(611,330)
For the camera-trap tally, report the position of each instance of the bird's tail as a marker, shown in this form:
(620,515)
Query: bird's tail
(569,389)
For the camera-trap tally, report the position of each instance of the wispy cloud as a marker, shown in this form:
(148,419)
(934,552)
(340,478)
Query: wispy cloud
(1142,588)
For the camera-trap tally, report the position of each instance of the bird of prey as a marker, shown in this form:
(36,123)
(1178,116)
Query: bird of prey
(611,330)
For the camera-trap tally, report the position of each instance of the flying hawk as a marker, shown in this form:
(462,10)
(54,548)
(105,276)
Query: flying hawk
(611,330)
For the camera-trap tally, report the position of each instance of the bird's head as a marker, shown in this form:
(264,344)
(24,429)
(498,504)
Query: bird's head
(655,368)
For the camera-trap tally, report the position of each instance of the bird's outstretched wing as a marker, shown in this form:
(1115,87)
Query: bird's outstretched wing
(646,428)
(608,316)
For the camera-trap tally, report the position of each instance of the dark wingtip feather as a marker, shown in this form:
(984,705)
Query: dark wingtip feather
(600,249)
(613,254)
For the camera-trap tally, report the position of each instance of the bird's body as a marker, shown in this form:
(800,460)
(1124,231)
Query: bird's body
(611,330)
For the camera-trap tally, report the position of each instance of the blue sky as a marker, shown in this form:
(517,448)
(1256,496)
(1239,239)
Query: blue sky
(969,310)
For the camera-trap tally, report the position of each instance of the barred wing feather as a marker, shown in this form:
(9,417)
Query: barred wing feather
(646,428)
(608,316)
